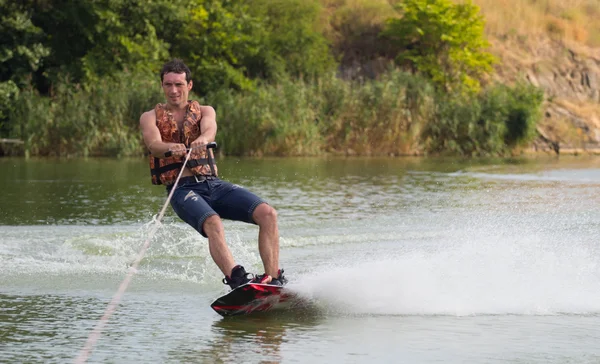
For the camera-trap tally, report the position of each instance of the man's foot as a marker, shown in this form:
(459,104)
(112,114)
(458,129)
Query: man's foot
(237,278)
(267,279)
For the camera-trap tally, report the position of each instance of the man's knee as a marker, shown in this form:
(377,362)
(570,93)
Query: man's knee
(212,226)
(264,214)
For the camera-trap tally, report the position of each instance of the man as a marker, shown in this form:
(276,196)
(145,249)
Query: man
(201,199)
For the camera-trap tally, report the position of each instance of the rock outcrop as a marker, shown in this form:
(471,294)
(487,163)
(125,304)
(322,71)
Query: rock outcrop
(570,76)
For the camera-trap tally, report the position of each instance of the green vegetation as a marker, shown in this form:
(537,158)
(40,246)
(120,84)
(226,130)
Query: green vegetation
(497,120)
(442,40)
(287,77)
(296,117)
(100,119)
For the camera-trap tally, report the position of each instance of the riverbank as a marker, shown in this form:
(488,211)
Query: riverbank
(544,93)
(10,147)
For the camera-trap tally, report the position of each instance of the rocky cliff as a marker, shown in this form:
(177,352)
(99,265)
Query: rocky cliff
(570,76)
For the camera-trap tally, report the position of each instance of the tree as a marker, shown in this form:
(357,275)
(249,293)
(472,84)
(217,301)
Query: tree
(234,43)
(442,40)
(292,41)
(22,52)
(216,39)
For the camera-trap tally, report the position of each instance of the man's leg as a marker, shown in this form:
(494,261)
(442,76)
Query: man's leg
(268,237)
(236,203)
(189,204)
(219,251)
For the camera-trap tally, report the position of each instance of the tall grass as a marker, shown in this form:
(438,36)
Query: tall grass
(495,122)
(279,119)
(384,116)
(396,114)
(295,117)
(101,119)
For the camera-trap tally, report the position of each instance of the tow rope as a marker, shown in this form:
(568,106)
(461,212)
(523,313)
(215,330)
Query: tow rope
(112,306)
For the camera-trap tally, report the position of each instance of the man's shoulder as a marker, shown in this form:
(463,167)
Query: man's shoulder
(196,103)
(148,115)
(151,112)
(204,109)
(207,109)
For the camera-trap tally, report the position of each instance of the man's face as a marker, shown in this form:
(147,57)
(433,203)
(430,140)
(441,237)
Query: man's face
(176,88)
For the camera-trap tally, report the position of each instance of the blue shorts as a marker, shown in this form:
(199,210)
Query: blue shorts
(195,201)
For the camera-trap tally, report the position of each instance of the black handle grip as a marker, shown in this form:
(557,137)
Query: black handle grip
(210,145)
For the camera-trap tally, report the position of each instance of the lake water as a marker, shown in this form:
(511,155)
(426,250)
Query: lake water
(404,261)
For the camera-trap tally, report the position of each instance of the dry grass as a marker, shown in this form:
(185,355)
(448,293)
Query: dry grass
(525,21)
(573,20)
(584,110)
(562,127)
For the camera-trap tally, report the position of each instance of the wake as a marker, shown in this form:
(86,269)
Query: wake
(470,279)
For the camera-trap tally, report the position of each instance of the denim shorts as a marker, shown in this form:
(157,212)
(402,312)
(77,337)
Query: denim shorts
(195,201)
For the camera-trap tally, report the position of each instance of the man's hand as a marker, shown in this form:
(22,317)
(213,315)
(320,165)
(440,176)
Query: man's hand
(178,150)
(199,145)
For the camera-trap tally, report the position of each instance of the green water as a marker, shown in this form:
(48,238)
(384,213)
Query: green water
(107,191)
(403,259)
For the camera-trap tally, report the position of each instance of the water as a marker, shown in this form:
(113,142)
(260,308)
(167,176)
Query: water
(404,260)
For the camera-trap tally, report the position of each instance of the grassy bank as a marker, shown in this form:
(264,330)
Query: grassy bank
(396,114)
(99,119)
(273,84)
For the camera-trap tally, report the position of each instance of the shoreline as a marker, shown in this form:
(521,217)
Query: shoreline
(531,151)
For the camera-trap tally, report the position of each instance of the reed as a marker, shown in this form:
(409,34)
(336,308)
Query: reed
(294,117)
(276,119)
(99,119)
(497,121)
(395,114)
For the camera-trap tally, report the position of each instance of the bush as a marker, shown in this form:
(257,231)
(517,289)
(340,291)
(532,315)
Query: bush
(291,40)
(8,94)
(494,122)
(442,40)
(525,108)
(232,44)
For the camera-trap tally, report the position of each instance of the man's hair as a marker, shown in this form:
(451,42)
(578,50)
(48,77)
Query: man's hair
(176,66)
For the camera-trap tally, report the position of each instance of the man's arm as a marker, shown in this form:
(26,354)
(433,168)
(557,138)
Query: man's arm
(208,127)
(154,141)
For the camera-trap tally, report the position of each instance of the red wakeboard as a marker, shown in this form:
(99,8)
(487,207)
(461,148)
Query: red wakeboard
(252,297)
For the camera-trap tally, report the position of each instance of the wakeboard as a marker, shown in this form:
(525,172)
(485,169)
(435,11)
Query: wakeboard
(252,297)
